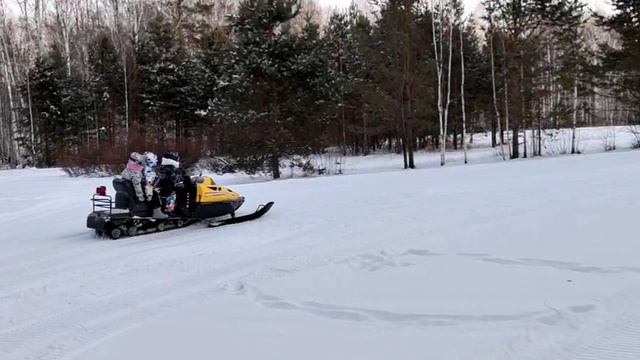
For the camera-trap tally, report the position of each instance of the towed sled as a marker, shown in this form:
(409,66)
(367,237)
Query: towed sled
(201,199)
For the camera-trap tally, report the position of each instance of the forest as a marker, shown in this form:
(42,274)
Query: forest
(255,82)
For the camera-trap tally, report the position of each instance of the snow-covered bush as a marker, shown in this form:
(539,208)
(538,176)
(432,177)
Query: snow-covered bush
(608,139)
(218,165)
(634,130)
(329,163)
(91,171)
(556,142)
(299,165)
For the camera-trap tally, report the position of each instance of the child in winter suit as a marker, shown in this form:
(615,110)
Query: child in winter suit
(150,164)
(170,182)
(134,173)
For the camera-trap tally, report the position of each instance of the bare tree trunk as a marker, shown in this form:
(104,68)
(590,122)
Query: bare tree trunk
(523,115)
(493,84)
(33,132)
(117,39)
(438,59)
(3,136)
(505,75)
(275,166)
(97,125)
(592,105)
(446,109)
(126,103)
(613,128)
(410,137)
(62,20)
(575,116)
(403,125)
(464,112)
(39,20)
(365,135)
(26,18)
(11,131)
(342,117)
(540,136)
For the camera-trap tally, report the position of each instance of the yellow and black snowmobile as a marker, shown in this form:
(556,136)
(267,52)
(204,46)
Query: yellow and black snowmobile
(199,199)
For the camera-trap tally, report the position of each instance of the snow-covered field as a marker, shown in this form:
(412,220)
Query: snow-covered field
(554,143)
(519,260)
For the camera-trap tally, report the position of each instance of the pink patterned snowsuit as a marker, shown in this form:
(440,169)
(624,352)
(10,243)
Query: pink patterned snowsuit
(134,173)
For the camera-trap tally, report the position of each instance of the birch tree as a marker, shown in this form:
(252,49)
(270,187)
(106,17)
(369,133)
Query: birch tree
(490,34)
(442,23)
(459,13)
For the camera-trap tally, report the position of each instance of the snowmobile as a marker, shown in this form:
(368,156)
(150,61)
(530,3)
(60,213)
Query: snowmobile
(199,199)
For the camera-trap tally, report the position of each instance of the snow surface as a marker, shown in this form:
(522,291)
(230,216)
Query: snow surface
(518,260)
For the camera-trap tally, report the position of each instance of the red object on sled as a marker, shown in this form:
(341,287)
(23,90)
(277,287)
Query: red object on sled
(101,190)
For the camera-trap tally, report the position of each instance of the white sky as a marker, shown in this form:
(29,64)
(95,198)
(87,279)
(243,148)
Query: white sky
(603,6)
(12,6)
(470,5)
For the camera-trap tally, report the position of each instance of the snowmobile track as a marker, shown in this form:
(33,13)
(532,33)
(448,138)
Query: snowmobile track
(81,328)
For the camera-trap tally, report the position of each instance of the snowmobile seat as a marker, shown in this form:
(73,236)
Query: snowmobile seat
(126,198)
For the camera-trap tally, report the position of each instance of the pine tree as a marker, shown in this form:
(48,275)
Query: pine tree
(348,35)
(218,81)
(158,61)
(107,91)
(276,86)
(401,67)
(338,38)
(621,63)
(477,83)
(568,23)
(60,103)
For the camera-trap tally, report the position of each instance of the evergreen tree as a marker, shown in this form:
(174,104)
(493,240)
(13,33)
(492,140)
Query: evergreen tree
(568,23)
(106,82)
(621,62)
(276,87)
(158,63)
(217,54)
(59,104)
(401,71)
(349,37)
(477,83)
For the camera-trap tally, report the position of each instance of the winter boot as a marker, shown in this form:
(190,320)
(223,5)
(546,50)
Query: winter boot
(158,214)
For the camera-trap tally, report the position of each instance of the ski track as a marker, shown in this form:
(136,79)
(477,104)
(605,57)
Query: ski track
(101,317)
(68,294)
(83,327)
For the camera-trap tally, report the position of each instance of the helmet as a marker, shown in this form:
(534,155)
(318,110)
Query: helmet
(151,160)
(139,158)
(171,159)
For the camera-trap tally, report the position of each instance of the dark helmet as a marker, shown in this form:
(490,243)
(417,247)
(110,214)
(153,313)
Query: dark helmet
(171,158)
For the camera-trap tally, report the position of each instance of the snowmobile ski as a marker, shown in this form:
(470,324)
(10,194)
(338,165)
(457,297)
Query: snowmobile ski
(262,209)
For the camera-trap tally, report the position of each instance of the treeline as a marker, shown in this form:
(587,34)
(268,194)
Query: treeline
(85,81)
